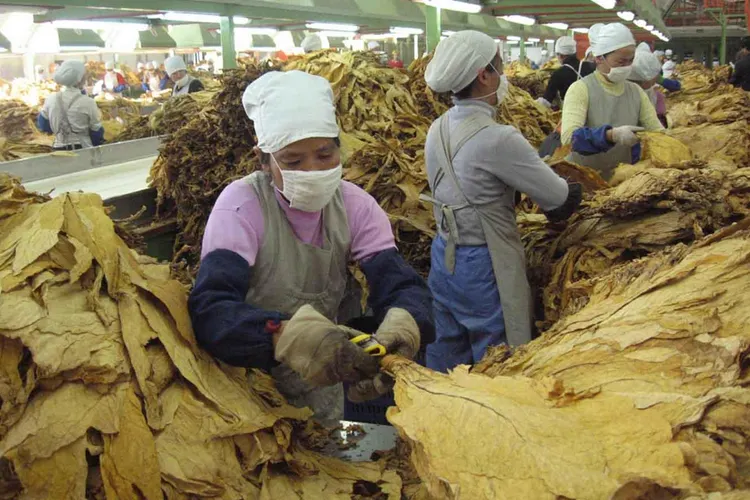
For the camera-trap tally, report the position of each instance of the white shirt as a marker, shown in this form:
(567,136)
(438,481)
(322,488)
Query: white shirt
(83,115)
(668,68)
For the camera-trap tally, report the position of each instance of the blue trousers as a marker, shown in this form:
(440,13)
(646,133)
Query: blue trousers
(466,305)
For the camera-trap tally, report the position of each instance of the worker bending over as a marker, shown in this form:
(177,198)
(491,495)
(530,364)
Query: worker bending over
(603,112)
(669,66)
(114,82)
(275,253)
(474,167)
(647,74)
(571,71)
(69,114)
(183,83)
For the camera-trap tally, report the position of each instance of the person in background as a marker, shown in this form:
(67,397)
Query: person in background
(140,69)
(395,61)
(603,112)
(275,252)
(39,74)
(481,296)
(571,71)
(660,56)
(183,83)
(647,74)
(71,116)
(741,73)
(157,79)
(669,65)
(113,80)
(311,43)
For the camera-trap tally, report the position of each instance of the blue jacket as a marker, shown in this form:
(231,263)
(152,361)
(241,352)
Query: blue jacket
(590,141)
(43,124)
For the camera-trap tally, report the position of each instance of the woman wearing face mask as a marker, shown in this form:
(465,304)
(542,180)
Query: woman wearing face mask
(183,83)
(603,112)
(647,74)
(474,167)
(275,254)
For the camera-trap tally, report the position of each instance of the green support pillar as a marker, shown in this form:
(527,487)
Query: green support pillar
(434,26)
(228,55)
(522,48)
(723,43)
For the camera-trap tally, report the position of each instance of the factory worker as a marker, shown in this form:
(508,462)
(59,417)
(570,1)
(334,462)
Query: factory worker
(311,43)
(571,71)
(647,74)
(39,74)
(275,253)
(741,73)
(157,79)
(183,83)
(669,65)
(140,69)
(113,80)
(603,112)
(474,168)
(71,116)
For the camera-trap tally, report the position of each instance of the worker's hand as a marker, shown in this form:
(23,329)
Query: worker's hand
(572,202)
(365,390)
(320,352)
(625,135)
(544,102)
(399,333)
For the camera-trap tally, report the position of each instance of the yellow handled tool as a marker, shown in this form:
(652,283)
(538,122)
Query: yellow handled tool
(369,344)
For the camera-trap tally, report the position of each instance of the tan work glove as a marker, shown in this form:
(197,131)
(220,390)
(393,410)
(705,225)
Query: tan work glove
(320,352)
(399,334)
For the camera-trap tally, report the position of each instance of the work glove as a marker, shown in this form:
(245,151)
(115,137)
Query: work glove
(625,135)
(399,334)
(320,352)
(544,102)
(572,202)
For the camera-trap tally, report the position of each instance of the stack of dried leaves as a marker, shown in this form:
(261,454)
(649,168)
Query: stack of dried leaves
(105,393)
(533,120)
(522,75)
(19,137)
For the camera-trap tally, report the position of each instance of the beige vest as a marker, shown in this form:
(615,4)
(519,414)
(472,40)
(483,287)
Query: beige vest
(607,109)
(289,274)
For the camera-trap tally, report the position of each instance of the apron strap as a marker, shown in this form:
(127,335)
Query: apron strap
(65,126)
(577,71)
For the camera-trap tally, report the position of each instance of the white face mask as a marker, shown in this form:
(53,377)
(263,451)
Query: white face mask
(619,75)
(182,81)
(502,89)
(309,191)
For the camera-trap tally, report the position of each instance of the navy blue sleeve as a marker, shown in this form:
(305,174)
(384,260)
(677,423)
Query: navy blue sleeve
(163,83)
(591,141)
(195,86)
(97,136)
(225,326)
(120,88)
(145,87)
(394,283)
(670,84)
(43,124)
(635,154)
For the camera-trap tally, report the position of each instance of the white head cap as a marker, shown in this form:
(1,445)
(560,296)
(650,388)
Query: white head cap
(174,64)
(140,66)
(669,53)
(606,38)
(155,64)
(646,65)
(109,65)
(289,107)
(565,46)
(70,73)
(312,43)
(373,45)
(545,52)
(150,65)
(458,59)
(659,53)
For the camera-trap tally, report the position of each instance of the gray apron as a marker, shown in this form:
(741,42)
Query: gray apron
(608,109)
(184,90)
(65,131)
(289,274)
(498,221)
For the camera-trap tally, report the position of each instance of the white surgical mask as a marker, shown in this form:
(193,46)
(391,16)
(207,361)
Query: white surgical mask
(182,81)
(309,191)
(502,89)
(619,75)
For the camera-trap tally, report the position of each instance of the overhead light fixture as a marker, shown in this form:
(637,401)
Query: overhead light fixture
(512,38)
(549,40)
(448,33)
(332,27)
(471,8)
(512,42)
(525,20)
(605,4)
(406,31)
(557,26)
(98,25)
(80,48)
(186,17)
(641,23)
(649,27)
(580,30)
(337,34)
(534,40)
(382,36)
(626,15)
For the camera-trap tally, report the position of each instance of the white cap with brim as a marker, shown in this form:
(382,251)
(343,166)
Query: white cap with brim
(646,65)
(458,59)
(70,73)
(174,64)
(607,38)
(565,46)
(109,65)
(290,106)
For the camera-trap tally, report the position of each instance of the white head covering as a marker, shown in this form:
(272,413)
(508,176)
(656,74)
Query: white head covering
(70,73)
(373,45)
(288,107)
(150,66)
(109,65)
(659,53)
(174,64)
(606,38)
(155,64)
(312,43)
(458,59)
(565,46)
(140,66)
(668,53)
(646,65)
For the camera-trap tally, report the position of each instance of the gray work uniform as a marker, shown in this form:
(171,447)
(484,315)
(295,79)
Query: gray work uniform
(607,109)
(73,117)
(289,274)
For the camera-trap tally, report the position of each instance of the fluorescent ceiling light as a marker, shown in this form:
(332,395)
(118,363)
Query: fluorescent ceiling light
(332,27)
(557,26)
(526,21)
(336,34)
(186,17)
(626,15)
(457,5)
(512,42)
(448,33)
(605,4)
(528,43)
(406,31)
(99,25)
(513,38)
(580,30)
(641,23)
(80,48)
(649,27)
(549,40)
(534,40)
